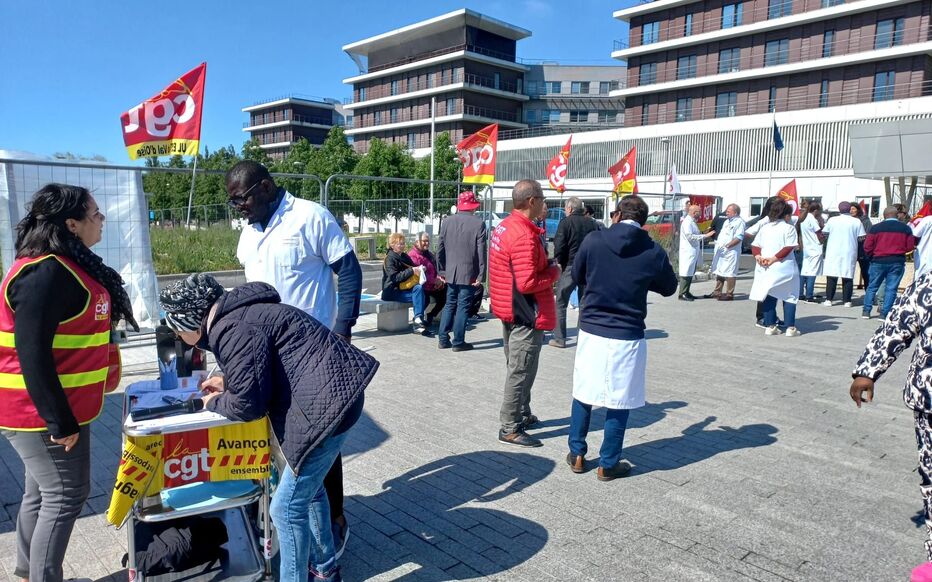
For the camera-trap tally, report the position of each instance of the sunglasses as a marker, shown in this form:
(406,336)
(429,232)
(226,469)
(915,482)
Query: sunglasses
(242,199)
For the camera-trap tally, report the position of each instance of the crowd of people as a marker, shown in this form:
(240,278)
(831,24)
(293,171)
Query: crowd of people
(283,340)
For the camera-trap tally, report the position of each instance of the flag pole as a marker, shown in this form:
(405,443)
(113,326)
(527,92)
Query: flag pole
(433,154)
(773,121)
(191,193)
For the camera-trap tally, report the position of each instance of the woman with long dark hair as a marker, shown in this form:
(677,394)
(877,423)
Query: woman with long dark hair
(864,261)
(55,325)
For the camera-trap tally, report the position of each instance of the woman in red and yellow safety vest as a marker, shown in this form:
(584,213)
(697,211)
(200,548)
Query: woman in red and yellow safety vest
(58,303)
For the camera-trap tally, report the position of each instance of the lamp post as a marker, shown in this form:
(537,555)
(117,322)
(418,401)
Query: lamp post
(666,171)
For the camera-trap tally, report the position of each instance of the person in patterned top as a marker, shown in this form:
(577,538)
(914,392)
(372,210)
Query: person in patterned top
(909,319)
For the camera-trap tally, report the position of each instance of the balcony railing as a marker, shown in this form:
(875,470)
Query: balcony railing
(288,116)
(794,54)
(619,45)
(755,105)
(490,113)
(404,115)
(555,129)
(708,23)
(443,51)
(404,87)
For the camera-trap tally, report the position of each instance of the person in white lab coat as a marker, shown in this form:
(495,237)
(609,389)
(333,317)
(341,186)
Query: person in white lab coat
(776,276)
(810,233)
(841,253)
(690,255)
(922,230)
(727,254)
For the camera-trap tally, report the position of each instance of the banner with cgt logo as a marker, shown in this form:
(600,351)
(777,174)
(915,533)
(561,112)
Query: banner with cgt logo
(223,453)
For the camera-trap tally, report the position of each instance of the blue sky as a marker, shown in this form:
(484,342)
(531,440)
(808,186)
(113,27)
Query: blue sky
(72,67)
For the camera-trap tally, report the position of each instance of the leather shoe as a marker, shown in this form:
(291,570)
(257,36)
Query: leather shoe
(726,297)
(444,346)
(621,469)
(577,463)
(684,298)
(463,347)
(519,438)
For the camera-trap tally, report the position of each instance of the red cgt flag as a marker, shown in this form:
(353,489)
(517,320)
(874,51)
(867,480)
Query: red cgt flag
(926,210)
(558,167)
(624,173)
(477,152)
(788,193)
(168,123)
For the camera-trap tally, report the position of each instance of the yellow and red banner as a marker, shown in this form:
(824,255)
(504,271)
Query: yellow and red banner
(926,210)
(624,173)
(788,193)
(169,123)
(706,206)
(223,453)
(478,153)
(559,166)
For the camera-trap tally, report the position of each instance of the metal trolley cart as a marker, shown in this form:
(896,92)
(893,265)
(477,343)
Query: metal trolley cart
(245,558)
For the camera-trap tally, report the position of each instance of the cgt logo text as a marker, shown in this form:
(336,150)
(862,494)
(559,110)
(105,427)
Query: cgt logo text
(187,467)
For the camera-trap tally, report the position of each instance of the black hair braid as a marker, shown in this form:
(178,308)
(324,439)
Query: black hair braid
(121,307)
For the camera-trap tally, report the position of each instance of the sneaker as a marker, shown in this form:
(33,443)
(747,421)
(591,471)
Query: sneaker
(519,438)
(619,470)
(684,298)
(577,463)
(477,317)
(760,324)
(827,303)
(793,332)
(772,330)
(865,315)
(444,345)
(340,535)
(529,422)
(922,573)
(555,343)
(463,347)
(848,304)
(419,321)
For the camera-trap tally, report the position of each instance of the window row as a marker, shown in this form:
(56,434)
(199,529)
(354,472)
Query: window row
(575,87)
(548,116)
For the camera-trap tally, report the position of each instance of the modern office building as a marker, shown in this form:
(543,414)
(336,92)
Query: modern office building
(278,123)
(567,98)
(692,60)
(464,60)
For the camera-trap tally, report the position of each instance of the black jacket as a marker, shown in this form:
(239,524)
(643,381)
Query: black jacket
(618,266)
(396,269)
(280,361)
(570,234)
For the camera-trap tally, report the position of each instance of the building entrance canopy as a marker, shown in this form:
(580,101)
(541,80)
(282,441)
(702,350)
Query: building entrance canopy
(892,149)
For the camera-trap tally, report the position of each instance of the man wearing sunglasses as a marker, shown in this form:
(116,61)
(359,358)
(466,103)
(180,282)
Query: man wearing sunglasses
(297,247)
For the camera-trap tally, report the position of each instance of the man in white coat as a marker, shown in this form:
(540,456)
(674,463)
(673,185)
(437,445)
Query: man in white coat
(922,230)
(727,254)
(841,253)
(690,240)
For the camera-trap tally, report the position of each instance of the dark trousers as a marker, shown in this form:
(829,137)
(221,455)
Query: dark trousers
(616,420)
(440,299)
(847,288)
(475,303)
(685,284)
(455,313)
(57,485)
(564,289)
(333,483)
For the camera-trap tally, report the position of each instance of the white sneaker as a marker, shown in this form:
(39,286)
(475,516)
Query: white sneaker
(849,304)
(792,332)
(772,330)
(419,321)
(827,303)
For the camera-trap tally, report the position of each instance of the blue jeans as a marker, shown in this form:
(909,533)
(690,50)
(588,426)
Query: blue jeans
(878,272)
(455,313)
(770,312)
(301,514)
(616,420)
(414,295)
(808,284)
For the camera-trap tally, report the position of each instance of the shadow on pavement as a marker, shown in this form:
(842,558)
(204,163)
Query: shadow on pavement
(418,529)
(819,323)
(639,418)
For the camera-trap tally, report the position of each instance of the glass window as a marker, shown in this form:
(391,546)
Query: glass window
(732,14)
(883,86)
(778,8)
(378,117)
(777,52)
(688,26)
(498,81)
(553,87)
(647,74)
(830,3)
(684,109)
(823,94)
(555,116)
(686,67)
(645,114)
(604,87)
(362,93)
(650,32)
(726,104)
(412,140)
(584,88)
(729,60)
(757,206)
(451,105)
(532,88)
(608,116)
(394,115)
(394,87)
(430,80)
(575,87)
(530,116)
(579,116)
(772,98)
(828,43)
(889,33)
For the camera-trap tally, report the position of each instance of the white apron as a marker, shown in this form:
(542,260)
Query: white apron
(725,260)
(812,247)
(609,372)
(781,279)
(690,237)
(841,250)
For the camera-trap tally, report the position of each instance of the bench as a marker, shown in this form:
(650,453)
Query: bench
(391,316)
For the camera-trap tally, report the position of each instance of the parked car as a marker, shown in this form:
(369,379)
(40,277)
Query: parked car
(554,216)
(664,222)
(496,217)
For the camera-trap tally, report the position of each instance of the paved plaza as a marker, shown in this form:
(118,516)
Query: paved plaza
(751,463)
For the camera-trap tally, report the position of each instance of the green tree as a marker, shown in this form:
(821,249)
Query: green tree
(448,167)
(252,151)
(391,161)
(296,162)
(334,156)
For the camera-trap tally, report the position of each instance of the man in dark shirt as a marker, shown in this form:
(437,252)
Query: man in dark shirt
(570,234)
(886,244)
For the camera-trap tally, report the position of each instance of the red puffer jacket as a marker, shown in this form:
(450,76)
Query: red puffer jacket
(520,278)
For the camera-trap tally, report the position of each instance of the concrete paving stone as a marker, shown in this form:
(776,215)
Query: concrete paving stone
(428,533)
(379,540)
(474,560)
(461,572)
(359,512)
(423,551)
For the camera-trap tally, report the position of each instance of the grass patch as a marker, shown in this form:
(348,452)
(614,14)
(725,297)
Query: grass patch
(179,250)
